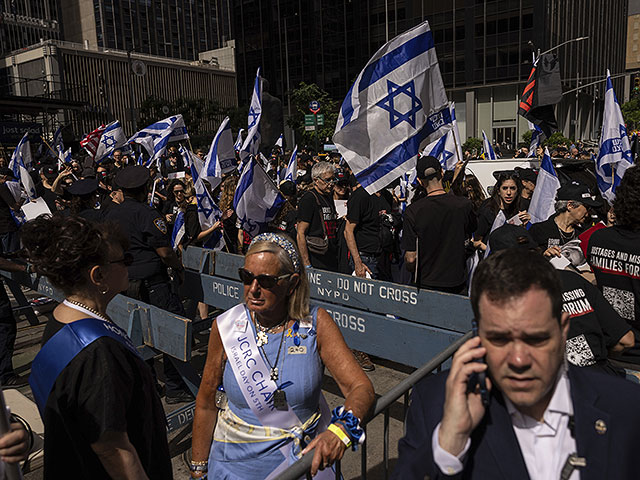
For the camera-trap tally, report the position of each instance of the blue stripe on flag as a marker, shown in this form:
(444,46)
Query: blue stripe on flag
(395,58)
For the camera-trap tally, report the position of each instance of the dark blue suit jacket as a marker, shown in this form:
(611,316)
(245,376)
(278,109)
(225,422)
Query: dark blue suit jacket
(495,452)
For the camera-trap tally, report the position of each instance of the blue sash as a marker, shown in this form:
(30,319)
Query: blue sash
(58,352)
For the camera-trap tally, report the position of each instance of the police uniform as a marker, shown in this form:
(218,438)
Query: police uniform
(148,278)
(86,189)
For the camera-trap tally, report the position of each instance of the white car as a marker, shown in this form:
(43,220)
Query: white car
(487,171)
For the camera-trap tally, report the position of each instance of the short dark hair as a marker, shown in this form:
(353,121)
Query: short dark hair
(63,248)
(511,273)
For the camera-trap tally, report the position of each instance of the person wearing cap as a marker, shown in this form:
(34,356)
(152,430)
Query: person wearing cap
(573,201)
(150,245)
(614,252)
(528,179)
(83,199)
(596,331)
(435,230)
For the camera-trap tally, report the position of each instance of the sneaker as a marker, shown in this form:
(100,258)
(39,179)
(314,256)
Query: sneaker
(364,361)
(180,397)
(15,381)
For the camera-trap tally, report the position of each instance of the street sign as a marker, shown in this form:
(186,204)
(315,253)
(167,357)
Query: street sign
(320,119)
(309,128)
(314,106)
(309,121)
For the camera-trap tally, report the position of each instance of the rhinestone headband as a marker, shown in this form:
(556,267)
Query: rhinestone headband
(283,243)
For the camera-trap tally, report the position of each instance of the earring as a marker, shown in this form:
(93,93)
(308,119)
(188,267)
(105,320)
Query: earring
(105,291)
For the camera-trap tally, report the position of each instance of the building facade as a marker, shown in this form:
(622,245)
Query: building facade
(169,28)
(87,87)
(484,47)
(26,22)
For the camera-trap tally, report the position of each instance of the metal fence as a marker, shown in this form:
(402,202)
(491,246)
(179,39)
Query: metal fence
(383,404)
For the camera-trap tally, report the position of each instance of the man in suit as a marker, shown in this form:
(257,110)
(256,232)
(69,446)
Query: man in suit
(545,419)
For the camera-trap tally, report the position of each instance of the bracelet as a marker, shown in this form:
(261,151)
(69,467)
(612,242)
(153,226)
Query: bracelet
(202,466)
(333,428)
(350,423)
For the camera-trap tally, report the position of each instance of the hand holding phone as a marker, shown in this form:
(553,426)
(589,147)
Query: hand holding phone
(478,380)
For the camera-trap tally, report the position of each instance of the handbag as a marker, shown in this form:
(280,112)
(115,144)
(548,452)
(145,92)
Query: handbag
(318,245)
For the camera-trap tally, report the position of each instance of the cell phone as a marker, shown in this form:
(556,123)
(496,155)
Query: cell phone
(478,379)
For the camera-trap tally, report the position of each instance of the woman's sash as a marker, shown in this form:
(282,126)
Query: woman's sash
(253,377)
(60,349)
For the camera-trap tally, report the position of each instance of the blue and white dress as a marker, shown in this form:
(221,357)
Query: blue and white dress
(242,448)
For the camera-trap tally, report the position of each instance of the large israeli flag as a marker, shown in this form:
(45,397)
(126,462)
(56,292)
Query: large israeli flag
(395,108)
(221,157)
(614,156)
(208,212)
(156,137)
(542,204)
(536,138)
(112,139)
(20,158)
(252,142)
(291,172)
(487,149)
(256,200)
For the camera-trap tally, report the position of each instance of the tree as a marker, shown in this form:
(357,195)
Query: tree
(631,113)
(300,98)
(472,144)
(526,137)
(557,139)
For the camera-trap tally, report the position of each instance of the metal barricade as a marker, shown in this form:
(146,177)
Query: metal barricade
(302,466)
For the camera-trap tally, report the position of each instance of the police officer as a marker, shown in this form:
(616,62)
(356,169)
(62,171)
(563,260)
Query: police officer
(83,199)
(150,246)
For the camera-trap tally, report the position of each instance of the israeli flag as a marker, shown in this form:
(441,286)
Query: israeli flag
(536,138)
(447,149)
(487,149)
(256,200)
(279,141)
(614,156)
(64,158)
(112,138)
(155,137)
(252,142)
(291,172)
(57,145)
(221,158)
(208,212)
(178,230)
(544,195)
(20,158)
(238,145)
(395,108)
(186,156)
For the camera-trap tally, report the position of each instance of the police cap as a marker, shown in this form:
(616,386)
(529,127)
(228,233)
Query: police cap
(134,176)
(86,186)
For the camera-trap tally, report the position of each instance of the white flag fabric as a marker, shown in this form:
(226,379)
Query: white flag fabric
(536,138)
(279,141)
(155,137)
(64,158)
(291,172)
(252,142)
(185,153)
(208,212)
(221,158)
(256,200)
(487,149)
(544,195)
(395,108)
(21,157)
(238,145)
(112,138)
(614,156)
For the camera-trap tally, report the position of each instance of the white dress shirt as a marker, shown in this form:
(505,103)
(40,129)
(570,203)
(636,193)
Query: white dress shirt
(545,445)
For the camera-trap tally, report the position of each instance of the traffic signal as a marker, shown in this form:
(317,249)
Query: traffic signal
(636,84)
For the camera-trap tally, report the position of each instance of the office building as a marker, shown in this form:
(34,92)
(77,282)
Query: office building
(25,22)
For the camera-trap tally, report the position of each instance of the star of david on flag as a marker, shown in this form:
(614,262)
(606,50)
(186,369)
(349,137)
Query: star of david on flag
(252,142)
(395,108)
(157,136)
(614,156)
(208,212)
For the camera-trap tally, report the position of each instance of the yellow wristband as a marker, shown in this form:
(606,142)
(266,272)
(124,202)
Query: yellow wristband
(341,435)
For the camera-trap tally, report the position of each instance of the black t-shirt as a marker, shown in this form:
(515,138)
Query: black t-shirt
(48,196)
(547,234)
(147,231)
(191,226)
(364,210)
(594,327)
(309,211)
(104,388)
(7,223)
(614,256)
(441,224)
(486,217)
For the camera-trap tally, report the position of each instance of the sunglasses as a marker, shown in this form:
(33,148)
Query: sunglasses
(265,281)
(127,260)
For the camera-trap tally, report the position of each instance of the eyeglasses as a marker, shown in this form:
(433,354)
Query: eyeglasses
(127,260)
(328,181)
(265,281)
(176,192)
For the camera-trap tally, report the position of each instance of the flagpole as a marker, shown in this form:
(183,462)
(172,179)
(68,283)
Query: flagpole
(48,146)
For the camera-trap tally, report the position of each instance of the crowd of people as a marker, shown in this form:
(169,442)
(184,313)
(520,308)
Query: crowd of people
(111,230)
